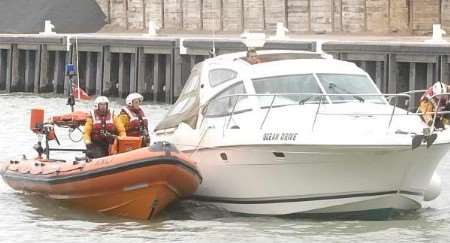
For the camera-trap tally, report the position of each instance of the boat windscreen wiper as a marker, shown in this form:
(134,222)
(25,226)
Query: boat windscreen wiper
(303,101)
(359,98)
(335,87)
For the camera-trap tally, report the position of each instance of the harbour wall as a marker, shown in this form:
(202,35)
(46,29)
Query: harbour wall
(157,67)
(299,16)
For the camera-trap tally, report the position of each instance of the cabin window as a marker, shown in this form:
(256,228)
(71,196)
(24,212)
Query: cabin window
(297,88)
(351,85)
(182,106)
(228,101)
(192,82)
(220,76)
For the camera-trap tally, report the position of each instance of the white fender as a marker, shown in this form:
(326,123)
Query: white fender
(433,190)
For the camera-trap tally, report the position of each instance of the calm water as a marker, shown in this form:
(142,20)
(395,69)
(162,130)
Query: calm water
(26,218)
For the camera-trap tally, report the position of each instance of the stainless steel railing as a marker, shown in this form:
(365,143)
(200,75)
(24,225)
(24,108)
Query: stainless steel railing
(318,99)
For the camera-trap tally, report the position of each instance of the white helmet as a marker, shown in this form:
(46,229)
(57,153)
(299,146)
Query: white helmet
(133,96)
(439,88)
(100,99)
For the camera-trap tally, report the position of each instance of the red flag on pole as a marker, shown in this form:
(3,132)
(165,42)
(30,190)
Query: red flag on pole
(79,93)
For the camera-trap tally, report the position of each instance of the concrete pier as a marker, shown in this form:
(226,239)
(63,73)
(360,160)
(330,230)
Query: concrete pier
(154,66)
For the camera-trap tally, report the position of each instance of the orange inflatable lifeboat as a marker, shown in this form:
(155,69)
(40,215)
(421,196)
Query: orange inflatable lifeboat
(136,184)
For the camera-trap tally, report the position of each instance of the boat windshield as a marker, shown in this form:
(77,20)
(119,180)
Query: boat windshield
(186,107)
(350,84)
(290,85)
(304,88)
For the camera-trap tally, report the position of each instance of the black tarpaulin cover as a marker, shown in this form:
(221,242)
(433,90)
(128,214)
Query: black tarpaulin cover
(68,16)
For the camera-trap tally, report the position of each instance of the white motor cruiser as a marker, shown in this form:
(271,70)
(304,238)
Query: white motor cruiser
(301,132)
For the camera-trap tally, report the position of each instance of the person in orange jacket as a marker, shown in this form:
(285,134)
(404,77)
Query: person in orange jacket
(133,119)
(100,129)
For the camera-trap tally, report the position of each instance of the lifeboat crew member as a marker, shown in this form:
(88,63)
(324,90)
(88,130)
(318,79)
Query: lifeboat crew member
(428,103)
(100,129)
(133,119)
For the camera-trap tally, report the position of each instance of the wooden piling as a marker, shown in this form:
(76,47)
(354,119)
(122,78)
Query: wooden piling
(133,73)
(444,74)
(429,74)
(14,84)
(364,65)
(3,68)
(67,83)
(8,70)
(156,81)
(392,73)
(90,72)
(141,68)
(44,85)
(121,75)
(106,87)
(29,71)
(99,73)
(177,74)
(379,74)
(412,85)
(58,72)
(155,67)
(192,61)
(168,80)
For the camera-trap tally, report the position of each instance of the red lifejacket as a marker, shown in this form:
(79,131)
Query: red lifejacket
(137,121)
(102,124)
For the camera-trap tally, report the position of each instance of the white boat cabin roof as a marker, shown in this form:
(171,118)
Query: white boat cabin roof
(229,74)
(284,62)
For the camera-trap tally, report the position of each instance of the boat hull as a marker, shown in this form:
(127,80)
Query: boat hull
(136,184)
(291,179)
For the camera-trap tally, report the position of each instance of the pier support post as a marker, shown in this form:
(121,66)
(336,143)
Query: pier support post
(44,85)
(156,81)
(379,74)
(3,68)
(141,89)
(106,70)
(364,65)
(169,80)
(429,74)
(37,71)
(58,72)
(124,74)
(177,74)
(15,80)
(29,70)
(90,73)
(133,72)
(444,75)
(8,70)
(99,73)
(68,59)
(392,73)
(412,85)
(192,62)
(121,74)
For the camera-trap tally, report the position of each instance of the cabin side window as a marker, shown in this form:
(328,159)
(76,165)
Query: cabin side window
(186,107)
(231,100)
(220,76)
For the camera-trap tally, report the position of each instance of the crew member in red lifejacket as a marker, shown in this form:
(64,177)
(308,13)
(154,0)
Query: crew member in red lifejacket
(434,98)
(133,119)
(100,129)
